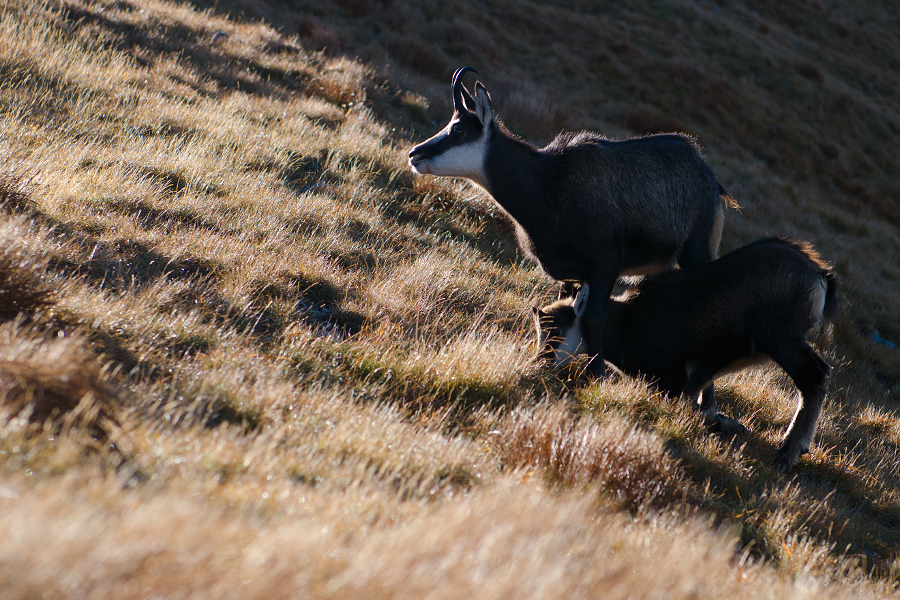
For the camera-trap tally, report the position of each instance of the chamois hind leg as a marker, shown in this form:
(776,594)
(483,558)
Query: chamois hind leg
(810,374)
(698,381)
(702,245)
(601,286)
(698,388)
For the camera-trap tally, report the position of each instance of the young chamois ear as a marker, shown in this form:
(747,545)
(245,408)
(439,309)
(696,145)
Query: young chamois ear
(571,342)
(581,299)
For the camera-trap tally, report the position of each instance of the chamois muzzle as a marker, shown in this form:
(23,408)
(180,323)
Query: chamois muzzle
(421,154)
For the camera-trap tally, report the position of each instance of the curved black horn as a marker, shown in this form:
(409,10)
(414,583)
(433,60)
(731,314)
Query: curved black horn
(457,84)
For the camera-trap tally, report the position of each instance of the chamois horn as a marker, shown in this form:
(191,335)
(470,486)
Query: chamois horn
(456,86)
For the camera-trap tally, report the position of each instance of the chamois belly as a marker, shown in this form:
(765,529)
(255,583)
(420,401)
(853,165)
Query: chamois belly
(758,358)
(561,261)
(573,255)
(736,356)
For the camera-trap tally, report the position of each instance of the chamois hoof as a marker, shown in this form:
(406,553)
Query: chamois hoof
(787,457)
(725,426)
(731,428)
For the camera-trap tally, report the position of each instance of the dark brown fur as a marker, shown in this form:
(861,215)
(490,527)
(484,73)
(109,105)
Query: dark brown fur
(588,208)
(684,328)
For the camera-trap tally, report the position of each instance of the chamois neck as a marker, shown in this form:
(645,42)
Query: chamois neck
(515,172)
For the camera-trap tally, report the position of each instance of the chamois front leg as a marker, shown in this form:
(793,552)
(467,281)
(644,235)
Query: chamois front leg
(708,398)
(601,285)
(700,396)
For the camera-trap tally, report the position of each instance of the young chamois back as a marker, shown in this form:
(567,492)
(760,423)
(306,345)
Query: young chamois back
(683,329)
(586,208)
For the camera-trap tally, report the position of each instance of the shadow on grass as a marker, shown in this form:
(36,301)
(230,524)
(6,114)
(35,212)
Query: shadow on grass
(313,301)
(126,264)
(153,217)
(748,492)
(222,73)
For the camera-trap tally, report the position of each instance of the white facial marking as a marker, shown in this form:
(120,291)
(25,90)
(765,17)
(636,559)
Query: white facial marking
(570,346)
(420,167)
(465,160)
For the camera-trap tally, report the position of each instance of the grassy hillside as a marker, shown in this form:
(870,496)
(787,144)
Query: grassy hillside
(246,352)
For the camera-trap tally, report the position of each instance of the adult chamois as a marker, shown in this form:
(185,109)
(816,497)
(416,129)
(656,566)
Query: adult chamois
(587,208)
(682,329)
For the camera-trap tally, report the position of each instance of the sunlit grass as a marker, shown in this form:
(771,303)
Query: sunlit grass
(246,352)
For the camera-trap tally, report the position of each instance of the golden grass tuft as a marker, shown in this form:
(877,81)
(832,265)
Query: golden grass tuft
(342,82)
(22,271)
(475,367)
(54,381)
(630,465)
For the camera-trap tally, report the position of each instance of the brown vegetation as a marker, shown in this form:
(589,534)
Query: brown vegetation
(22,289)
(53,382)
(315,369)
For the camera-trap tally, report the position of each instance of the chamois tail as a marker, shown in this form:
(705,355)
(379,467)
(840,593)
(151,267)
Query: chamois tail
(830,310)
(727,198)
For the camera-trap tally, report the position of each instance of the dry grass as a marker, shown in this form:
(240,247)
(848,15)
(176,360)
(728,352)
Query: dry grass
(314,370)
(53,382)
(629,464)
(128,543)
(22,289)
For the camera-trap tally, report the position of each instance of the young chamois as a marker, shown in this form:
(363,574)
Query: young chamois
(683,329)
(586,208)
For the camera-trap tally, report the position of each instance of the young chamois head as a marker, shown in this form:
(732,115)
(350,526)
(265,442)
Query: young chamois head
(459,149)
(559,329)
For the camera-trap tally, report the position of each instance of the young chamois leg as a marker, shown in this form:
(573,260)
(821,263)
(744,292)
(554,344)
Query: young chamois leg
(810,374)
(601,287)
(698,393)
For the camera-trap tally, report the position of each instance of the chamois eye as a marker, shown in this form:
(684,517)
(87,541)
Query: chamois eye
(456,131)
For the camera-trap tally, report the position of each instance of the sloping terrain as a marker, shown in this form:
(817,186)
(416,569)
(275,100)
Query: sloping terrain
(246,352)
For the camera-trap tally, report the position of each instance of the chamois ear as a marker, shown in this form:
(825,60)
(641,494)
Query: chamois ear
(581,300)
(467,99)
(483,105)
